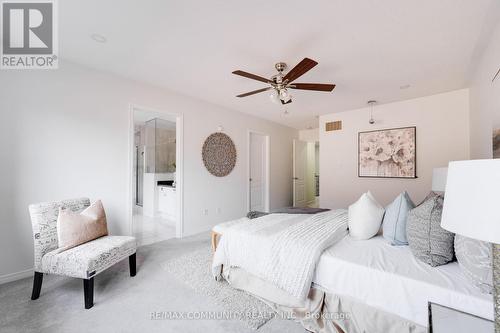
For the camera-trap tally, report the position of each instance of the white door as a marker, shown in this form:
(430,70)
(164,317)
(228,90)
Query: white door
(257,164)
(299,173)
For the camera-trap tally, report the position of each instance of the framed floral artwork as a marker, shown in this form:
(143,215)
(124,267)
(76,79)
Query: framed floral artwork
(388,153)
(496,143)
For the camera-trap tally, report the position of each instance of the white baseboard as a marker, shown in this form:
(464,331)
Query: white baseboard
(16,276)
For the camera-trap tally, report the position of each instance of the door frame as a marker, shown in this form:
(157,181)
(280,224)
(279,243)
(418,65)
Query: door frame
(267,168)
(179,170)
(293,171)
(294,167)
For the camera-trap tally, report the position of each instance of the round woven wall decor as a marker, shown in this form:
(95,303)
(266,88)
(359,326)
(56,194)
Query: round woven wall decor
(219,154)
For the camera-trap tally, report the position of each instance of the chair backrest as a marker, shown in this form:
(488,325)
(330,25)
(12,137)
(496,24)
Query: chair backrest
(44,223)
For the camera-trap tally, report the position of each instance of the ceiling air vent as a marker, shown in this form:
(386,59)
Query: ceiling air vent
(333,126)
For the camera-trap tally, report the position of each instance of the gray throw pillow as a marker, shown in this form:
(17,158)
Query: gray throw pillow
(256,214)
(474,258)
(396,215)
(428,241)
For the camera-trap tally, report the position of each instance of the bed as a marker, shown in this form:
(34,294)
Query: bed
(383,287)
(390,278)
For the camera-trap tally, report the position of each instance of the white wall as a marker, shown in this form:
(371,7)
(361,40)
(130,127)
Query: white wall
(442,123)
(309,135)
(65,134)
(485,98)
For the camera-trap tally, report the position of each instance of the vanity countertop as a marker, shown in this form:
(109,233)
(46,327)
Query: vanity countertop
(165,183)
(167,186)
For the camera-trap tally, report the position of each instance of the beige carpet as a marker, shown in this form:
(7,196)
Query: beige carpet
(123,304)
(194,270)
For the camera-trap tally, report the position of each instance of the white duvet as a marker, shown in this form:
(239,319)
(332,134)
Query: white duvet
(282,249)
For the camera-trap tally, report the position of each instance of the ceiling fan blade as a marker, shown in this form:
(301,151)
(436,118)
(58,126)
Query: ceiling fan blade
(312,86)
(254,92)
(300,69)
(252,76)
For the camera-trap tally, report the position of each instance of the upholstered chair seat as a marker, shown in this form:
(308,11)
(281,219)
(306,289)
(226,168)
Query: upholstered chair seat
(84,261)
(89,259)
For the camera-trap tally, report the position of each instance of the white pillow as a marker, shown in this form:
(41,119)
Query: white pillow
(365,217)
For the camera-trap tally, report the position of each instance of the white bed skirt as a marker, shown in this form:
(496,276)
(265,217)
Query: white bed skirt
(323,312)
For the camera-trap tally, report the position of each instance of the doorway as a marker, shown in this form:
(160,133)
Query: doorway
(305,173)
(258,172)
(155,200)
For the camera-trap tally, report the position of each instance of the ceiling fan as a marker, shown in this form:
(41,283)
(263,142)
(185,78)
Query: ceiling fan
(280,83)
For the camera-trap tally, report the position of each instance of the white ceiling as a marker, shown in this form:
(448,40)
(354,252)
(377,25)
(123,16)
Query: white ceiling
(369,48)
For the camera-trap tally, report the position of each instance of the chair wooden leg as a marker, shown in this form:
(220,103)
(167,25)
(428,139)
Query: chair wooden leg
(132,265)
(37,285)
(88,292)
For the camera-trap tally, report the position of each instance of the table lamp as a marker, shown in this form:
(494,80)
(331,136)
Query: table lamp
(472,209)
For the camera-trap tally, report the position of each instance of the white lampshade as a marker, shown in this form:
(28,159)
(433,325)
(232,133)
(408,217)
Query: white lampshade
(472,201)
(439,179)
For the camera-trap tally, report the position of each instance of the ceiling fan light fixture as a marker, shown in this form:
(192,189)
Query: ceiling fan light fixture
(274,96)
(278,78)
(280,83)
(284,94)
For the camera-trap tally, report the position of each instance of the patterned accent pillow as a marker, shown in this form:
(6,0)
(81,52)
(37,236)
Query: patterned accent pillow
(395,218)
(474,258)
(428,241)
(255,214)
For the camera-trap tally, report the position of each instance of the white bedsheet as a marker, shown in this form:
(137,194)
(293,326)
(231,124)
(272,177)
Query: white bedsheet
(282,249)
(391,279)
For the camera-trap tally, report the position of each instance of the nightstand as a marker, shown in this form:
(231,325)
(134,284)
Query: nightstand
(443,319)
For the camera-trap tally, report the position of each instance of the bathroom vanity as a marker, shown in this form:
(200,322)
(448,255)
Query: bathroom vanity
(167,200)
